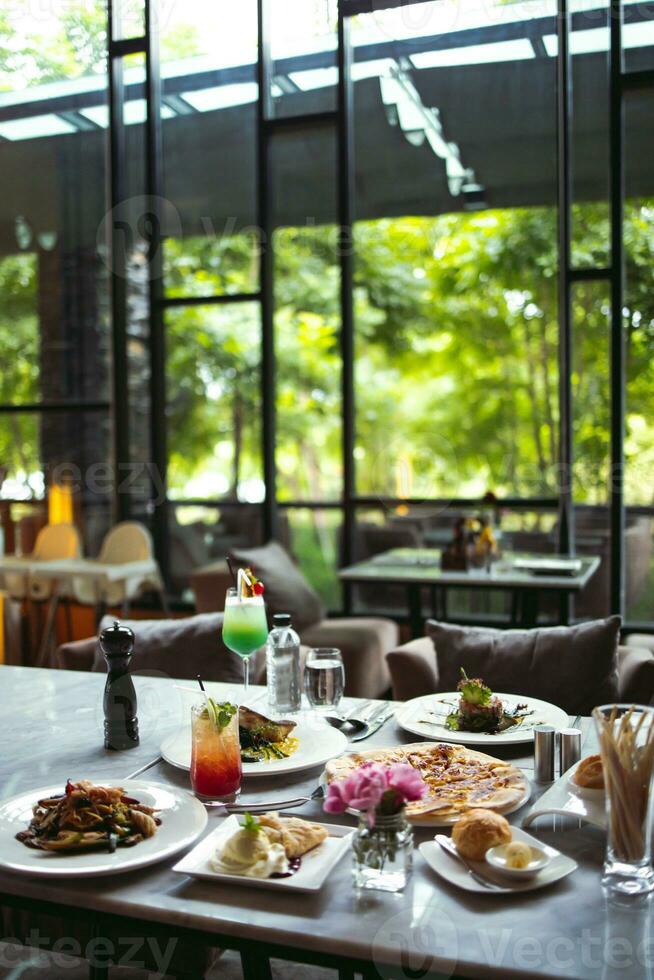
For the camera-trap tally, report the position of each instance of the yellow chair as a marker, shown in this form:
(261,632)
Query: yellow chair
(54,541)
(127,542)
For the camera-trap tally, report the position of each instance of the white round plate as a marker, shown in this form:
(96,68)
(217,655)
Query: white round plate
(421,716)
(559,866)
(183,818)
(319,743)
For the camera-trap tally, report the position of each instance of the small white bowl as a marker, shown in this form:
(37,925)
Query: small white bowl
(496,857)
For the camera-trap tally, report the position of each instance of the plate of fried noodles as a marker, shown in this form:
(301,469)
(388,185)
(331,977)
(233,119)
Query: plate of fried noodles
(87,828)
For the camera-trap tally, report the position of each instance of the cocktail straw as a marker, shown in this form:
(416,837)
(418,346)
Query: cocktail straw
(206,696)
(231,570)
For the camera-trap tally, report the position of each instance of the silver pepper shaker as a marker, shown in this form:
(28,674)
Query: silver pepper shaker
(569,748)
(544,743)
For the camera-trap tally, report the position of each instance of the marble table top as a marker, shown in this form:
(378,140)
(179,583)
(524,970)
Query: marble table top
(51,729)
(421,566)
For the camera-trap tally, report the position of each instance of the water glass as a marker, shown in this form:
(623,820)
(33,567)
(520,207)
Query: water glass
(626,736)
(324,678)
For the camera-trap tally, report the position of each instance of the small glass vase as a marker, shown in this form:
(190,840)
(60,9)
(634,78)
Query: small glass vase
(383,853)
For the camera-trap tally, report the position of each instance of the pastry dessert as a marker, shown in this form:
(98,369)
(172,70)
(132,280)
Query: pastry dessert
(589,774)
(477,831)
(295,835)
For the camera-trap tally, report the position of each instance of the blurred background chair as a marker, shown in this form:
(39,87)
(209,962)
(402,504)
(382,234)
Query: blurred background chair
(125,543)
(53,542)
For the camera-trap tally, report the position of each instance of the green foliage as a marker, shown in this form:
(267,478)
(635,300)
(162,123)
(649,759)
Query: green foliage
(251,824)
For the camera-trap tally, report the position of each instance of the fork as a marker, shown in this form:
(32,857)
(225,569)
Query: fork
(449,848)
(262,806)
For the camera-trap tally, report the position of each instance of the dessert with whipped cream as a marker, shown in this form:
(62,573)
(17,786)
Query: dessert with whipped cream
(266,848)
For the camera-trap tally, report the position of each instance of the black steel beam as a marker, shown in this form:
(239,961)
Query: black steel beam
(118,275)
(47,407)
(589,275)
(177,85)
(266,270)
(616,490)
(306,120)
(564,195)
(635,81)
(127,45)
(353,7)
(154,192)
(223,299)
(346,259)
(511,503)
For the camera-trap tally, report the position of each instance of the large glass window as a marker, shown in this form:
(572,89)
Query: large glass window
(54,324)
(456,251)
(639,342)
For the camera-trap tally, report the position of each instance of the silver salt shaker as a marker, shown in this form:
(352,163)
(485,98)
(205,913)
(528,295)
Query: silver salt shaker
(544,743)
(569,748)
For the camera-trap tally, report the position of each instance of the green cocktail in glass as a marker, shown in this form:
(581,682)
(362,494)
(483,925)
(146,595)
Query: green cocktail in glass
(245,628)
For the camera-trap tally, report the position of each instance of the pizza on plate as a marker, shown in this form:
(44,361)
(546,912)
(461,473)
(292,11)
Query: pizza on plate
(458,778)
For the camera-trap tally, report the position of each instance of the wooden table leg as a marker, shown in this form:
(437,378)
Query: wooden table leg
(515,608)
(529,616)
(415,611)
(98,972)
(565,602)
(48,629)
(255,965)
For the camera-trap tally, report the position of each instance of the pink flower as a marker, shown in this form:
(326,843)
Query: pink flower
(408,784)
(374,787)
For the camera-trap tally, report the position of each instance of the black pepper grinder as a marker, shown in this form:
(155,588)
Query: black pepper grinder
(121,726)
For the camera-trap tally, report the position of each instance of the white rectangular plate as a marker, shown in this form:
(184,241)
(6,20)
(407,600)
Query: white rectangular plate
(564,797)
(310,877)
(449,868)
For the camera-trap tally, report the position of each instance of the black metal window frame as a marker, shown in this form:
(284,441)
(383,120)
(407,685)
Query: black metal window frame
(341,119)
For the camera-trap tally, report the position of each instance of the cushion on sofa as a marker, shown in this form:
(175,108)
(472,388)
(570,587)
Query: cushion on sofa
(287,590)
(572,666)
(636,674)
(179,648)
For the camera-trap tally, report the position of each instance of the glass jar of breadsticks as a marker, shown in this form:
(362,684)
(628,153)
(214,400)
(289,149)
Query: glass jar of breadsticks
(626,736)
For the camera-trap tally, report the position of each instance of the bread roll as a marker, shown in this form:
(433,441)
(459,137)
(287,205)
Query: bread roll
(589,773)
(477,831)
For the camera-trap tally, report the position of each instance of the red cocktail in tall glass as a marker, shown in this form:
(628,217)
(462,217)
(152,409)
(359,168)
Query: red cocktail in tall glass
(216,769)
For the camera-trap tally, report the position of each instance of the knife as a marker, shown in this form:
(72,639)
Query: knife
(372,728)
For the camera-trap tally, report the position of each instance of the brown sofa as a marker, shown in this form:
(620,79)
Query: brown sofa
(183,648)
(414,671)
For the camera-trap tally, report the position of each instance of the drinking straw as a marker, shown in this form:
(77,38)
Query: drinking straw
(231,570)
(202,688)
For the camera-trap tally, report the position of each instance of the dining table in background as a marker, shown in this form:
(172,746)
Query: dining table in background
(419,569)
(61,572)
(52,731)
